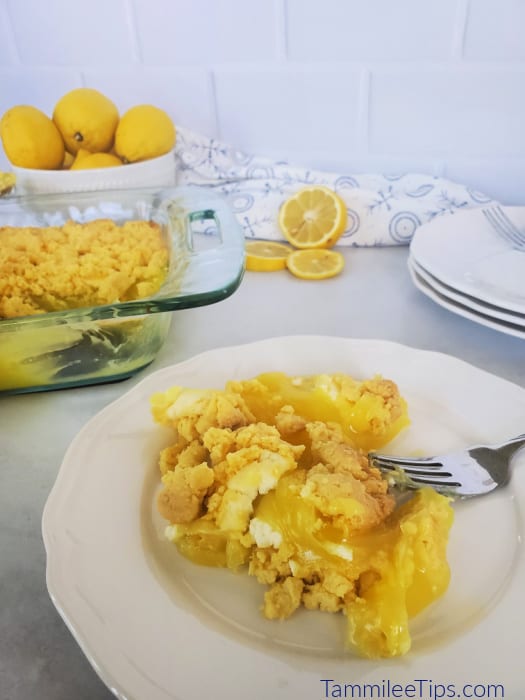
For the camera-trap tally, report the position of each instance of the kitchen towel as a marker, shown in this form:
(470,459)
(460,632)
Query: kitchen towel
(383,210)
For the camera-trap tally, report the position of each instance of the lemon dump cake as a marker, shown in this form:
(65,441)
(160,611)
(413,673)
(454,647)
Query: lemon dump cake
(270,474)
(78,265)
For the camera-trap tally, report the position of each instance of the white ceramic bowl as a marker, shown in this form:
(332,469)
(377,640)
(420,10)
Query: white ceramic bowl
(157,172)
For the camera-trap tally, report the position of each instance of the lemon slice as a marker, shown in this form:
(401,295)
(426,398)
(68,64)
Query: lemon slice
(266,256)
(313,264)
(314,217)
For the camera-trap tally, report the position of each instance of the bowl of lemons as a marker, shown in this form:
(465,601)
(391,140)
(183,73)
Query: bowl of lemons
(86,145)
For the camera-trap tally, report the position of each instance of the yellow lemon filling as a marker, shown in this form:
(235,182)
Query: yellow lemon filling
(271,474)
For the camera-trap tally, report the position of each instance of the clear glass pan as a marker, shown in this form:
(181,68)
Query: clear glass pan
(107,343)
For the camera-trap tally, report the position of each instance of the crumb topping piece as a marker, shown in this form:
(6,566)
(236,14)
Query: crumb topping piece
(272,474)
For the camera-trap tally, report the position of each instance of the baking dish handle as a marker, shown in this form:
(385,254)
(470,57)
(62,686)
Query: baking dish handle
(212,249)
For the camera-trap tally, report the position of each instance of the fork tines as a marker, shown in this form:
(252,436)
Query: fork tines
(504,227)
(419,462)
(420,471)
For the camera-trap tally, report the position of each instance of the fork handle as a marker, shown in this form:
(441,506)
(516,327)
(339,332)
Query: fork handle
(514,444)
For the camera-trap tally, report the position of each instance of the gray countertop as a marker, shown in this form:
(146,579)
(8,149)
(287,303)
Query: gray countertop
(373,298)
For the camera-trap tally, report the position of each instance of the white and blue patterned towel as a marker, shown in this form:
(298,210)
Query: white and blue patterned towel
(383,210)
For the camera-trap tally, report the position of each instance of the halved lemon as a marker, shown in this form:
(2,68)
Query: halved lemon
(266,256)
(315,264)
(314,217)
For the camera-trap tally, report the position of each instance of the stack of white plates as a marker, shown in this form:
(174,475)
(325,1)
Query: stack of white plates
(461,263)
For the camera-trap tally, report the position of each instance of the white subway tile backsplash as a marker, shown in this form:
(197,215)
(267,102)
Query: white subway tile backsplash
(68,32)
(185,93)
(203,32)
(343,85)
(447,112)
(8,54)
(40,88)
(500,178)
(495,30)
(288,109)
(357,30)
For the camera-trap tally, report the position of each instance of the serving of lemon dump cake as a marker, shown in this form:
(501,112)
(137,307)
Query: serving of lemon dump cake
(270,475)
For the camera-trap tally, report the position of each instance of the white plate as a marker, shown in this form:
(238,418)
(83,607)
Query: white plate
(467,310)
(156,627)
(463,251)
(466,300)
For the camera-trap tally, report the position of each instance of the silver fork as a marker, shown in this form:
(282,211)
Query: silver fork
(504,227)
(472,472)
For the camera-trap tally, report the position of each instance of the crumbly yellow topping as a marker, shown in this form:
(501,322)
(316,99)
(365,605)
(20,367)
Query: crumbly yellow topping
(7,183)
(79,265)
(272,474)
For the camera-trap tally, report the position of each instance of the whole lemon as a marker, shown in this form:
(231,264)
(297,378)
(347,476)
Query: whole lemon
(144,132)
(31,139)
(95,160)
(68,160)
(86,161)
(86,119)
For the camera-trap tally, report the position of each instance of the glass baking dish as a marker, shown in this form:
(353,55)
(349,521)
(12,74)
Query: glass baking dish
(98,344)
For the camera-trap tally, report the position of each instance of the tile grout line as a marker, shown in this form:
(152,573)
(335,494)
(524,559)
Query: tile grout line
(131,16)
(281,35)
(214,104)
(363,113)
(460,30)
